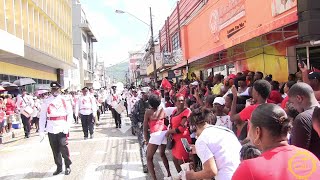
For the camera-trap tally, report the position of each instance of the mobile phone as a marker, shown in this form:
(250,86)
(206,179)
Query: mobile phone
(300,61)
(186,145)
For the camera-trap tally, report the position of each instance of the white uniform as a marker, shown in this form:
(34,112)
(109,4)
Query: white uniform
(58,115)
(87,105)
(23,102)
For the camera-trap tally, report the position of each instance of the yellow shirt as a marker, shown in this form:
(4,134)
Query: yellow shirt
(216,90)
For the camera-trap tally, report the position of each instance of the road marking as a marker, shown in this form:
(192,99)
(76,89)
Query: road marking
(132,170)
(132,151)
(91,172)
(173,169)
(101,152)
(74,153)
(101,139)
(125,171)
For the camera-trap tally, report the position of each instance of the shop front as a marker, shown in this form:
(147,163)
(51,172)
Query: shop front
(230,36)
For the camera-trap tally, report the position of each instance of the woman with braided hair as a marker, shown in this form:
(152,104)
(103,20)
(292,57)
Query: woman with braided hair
(269,126)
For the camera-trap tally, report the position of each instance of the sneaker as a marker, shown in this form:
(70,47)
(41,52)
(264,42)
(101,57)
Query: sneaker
(91,136)
(85,138)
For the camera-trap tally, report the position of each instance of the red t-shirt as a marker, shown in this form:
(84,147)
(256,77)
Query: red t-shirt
(284,102)
(275,97)
(285,163)
(245,114)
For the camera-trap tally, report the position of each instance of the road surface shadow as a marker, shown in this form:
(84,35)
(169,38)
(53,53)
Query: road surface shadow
(30,175)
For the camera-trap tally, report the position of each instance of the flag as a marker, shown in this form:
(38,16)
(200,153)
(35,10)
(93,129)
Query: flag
(166,84)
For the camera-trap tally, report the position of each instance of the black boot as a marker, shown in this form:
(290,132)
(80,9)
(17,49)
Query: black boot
(58,171)
(68,171)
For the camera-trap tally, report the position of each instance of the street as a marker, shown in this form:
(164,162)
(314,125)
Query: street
(112,154)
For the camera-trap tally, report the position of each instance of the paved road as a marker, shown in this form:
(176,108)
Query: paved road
(113,154)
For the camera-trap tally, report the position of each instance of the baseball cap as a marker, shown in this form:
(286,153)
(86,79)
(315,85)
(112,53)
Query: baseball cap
(219,100)
(195,83)
(55,85)
(314,75)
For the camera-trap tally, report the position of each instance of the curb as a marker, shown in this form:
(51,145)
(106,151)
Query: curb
(7,137)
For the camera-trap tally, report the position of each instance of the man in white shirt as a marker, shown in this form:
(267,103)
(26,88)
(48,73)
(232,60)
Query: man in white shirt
(87,109)
(132,100)
(24,106)
(56,118)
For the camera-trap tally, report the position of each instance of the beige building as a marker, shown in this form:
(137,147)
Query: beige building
(36,39)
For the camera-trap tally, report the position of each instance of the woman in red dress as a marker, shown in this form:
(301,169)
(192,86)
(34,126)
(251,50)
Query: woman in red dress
(179,129)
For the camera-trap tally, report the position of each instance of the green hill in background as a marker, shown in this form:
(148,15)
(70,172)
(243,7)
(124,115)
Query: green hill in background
(118,72)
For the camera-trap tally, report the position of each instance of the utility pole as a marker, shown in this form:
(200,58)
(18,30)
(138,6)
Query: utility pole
(153,52)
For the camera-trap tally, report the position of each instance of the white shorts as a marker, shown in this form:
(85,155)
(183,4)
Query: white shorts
(158,138)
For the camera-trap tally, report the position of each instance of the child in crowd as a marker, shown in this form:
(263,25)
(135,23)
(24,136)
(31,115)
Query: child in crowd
(249,151)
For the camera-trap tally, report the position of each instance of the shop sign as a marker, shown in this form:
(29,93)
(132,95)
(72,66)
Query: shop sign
(225,15)
(167,59)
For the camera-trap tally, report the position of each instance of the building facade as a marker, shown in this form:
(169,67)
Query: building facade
(170,50)
(100,76)
(137,68)
(72,77)
(36,40)
(83,39)
(228,36)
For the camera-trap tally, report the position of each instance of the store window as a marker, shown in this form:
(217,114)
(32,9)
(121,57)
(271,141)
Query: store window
(310,56)
(175,41)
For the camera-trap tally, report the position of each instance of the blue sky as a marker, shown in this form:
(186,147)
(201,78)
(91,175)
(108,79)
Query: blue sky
(119,33)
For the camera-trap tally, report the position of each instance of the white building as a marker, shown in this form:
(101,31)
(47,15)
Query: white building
(72,77)
(83,39)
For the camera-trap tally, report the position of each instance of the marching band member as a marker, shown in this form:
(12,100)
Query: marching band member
(87,109)
(56,118)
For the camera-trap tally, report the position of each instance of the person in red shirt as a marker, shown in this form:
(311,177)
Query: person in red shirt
(154,120)
(178,130)
(275,96)
(10,108)
(286,89)
(269,126)
(260,92)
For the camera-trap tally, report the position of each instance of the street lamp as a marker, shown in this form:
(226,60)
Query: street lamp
(151,40)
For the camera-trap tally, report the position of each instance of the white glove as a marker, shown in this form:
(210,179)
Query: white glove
(42,136)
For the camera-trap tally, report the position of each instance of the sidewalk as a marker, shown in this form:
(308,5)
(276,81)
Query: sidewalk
(7,137)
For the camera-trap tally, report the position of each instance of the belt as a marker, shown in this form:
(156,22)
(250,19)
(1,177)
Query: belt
(86,109)
(57,118)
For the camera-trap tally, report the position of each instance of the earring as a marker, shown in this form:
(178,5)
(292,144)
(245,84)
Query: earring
(257,144)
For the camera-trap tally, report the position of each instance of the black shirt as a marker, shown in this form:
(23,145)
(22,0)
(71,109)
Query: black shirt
(303,135)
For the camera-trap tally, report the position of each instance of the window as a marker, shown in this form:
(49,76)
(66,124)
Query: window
(310,56)
(85,56)
(84,38)
(175,41)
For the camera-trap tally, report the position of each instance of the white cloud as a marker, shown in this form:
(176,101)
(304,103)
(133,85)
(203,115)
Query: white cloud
(101,27)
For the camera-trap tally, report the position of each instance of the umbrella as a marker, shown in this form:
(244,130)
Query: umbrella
(41,92)
(24,81)
(1,89)
(5,84)
(42,86)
